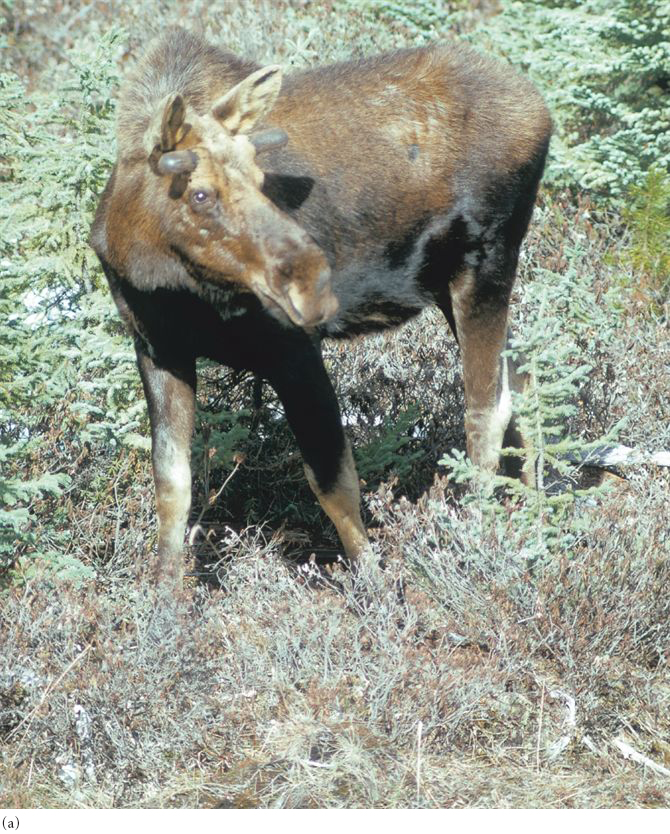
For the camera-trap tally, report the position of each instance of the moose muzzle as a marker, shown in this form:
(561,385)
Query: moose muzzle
(299,286)
(295,277)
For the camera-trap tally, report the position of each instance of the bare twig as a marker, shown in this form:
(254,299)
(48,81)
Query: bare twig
(28,720)
(419,732)
(211,501)
(539,731)
(629,752)
(30,770)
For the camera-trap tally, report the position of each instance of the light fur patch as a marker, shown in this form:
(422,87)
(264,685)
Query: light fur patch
(485,375)
(172,476)
(503,413)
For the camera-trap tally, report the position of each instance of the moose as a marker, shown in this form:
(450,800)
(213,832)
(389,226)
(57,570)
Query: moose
(250,216)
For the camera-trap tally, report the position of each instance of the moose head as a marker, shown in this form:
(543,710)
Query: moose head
(207,189)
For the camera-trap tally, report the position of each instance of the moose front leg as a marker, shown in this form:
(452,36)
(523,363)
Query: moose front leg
(481,329)
(341,502)
(303,386)
(170,394)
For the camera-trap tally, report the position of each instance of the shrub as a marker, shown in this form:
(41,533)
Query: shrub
(647,257)
(56,153)
(561,328)
(604,67)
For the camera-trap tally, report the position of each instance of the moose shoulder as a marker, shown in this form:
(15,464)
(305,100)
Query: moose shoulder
(248,217)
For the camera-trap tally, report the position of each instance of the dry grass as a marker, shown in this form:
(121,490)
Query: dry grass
(280,691)
(455,677)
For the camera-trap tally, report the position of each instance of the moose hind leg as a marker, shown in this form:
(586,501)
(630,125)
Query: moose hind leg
(481,329)
(170,395)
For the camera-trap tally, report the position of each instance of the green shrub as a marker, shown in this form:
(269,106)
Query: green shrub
(56,153)
(386,454)
(604,67)
(423,18)
(647,256)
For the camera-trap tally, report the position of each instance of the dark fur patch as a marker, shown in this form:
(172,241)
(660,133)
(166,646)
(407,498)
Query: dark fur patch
(178,186)
(527,181)
(510,205)
(296,372)
(398,252)
(377,314)
(287,192)
(444,256)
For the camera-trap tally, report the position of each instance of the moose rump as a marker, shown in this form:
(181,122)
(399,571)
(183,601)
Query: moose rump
(249,217)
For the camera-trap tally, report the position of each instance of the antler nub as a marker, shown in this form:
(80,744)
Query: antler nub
(269,140)
(177,162)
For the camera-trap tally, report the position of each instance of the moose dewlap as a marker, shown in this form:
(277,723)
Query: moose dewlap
(249,216)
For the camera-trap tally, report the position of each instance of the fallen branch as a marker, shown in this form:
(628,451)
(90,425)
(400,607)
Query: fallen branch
(621,456)
(570,722)
(629,752)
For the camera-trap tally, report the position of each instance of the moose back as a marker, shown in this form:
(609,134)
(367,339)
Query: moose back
(250,216)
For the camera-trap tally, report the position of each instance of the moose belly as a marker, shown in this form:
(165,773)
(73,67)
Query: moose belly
(406,274)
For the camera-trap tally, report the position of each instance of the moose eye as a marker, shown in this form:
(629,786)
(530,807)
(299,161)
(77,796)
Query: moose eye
(201,198)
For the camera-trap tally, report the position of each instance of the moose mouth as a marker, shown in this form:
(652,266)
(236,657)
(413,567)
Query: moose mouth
(289,306)
(285,310)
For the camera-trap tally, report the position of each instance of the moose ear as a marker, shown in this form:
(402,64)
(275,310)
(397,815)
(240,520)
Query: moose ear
(243,106)
(168,126)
